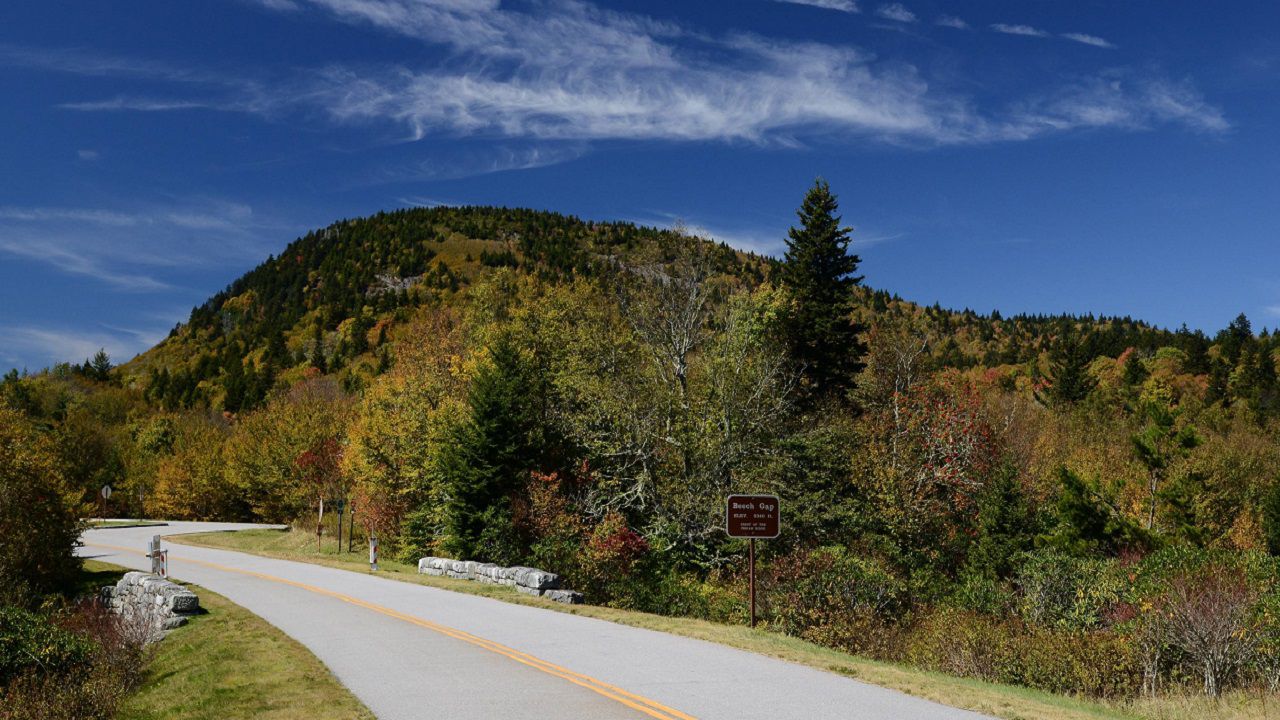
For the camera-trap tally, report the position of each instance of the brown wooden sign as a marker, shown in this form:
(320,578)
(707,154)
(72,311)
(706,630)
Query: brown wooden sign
(753,516)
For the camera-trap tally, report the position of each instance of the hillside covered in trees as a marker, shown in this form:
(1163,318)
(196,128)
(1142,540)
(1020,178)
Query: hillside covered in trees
(1086,505)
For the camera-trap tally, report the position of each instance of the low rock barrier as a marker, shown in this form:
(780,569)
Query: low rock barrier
(150,603)
(530,581)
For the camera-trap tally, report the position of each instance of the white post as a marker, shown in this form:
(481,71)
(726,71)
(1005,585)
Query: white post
(373,552)
(154,554)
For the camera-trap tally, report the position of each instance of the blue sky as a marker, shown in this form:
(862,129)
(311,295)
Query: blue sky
(1027,155)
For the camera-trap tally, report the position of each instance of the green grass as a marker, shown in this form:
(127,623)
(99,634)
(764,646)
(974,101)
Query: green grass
(1013,703)
(104,524)
(229,664)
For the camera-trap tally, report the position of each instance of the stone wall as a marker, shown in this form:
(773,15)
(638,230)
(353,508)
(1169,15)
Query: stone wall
(150,603)
(530,581)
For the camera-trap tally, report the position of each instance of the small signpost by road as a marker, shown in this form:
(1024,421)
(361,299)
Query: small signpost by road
(105,494)
(752,517)
(342,504)
(159,558)
(373,552)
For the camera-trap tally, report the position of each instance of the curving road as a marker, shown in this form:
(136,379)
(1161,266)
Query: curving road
(410,651)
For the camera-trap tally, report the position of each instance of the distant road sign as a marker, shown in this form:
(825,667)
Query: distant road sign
(753,516)
(106,492)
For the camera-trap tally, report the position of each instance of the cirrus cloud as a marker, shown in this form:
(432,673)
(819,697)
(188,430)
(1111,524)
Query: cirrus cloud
(847,6)
(896,12)
(509,75)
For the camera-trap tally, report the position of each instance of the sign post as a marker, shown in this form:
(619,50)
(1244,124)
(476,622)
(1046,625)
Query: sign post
(373,552)
(159,558)
(341,506)
(105,494)
(751,517)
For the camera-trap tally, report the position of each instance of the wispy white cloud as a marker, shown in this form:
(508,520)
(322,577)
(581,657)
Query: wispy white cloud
(951,21)
(848,6)
(1119,101)
(95,64)
(135,104)
(1093,40)
(285,5)
(127,249)
(417,201)
(216,90)
(88,215)
(760,240)
(75,345)
(76,263)
(1273,310)
(896,12)
(88,155)
(510,76)
(449,163)
(1026,30)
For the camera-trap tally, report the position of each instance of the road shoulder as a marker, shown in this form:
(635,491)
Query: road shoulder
(229,664)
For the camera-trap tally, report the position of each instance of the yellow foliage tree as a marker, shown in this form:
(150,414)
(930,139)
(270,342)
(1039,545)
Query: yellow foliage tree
(395,437)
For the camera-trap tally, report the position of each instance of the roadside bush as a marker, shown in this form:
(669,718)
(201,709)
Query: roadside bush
(77,665)
(1098,663)
(1066,592)
(968,644)
(959,642)
(610,558)
(29,641)
(1204,614)
(41,521)
(983,593)
(834,598)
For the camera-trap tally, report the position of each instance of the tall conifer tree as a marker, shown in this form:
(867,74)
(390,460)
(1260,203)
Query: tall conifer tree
(1069,378)
(489,456)
(821,275)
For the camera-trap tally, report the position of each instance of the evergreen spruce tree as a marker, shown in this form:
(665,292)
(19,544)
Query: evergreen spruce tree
(234,384)
(1006,526)
(101,366)
(1271,518)
(820,273)
(277,352)
(1233,341)
(1162,442)
(317,352)
(1069,378)
(1089,521)
(1135,373)
(488,457)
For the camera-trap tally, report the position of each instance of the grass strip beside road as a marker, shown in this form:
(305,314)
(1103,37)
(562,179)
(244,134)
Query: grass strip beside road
(110,524)
(229,664)
(1013,703)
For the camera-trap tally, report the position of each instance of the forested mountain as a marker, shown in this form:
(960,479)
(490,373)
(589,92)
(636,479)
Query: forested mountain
(327,300)
(1082,504)
(330,299)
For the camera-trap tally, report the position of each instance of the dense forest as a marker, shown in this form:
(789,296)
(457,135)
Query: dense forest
(1082,504)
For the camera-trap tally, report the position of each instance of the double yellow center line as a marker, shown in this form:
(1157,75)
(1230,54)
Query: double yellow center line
(642,704)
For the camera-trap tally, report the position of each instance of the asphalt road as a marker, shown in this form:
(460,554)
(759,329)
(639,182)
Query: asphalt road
(415,652)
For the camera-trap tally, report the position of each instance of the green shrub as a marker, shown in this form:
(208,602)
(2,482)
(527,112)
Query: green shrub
(41,523)
(1205,615)
(80,668)
(1098,664)
(835,598)
(1067,592)
(613,567)
(958,642)
(983,593)
(29,641)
